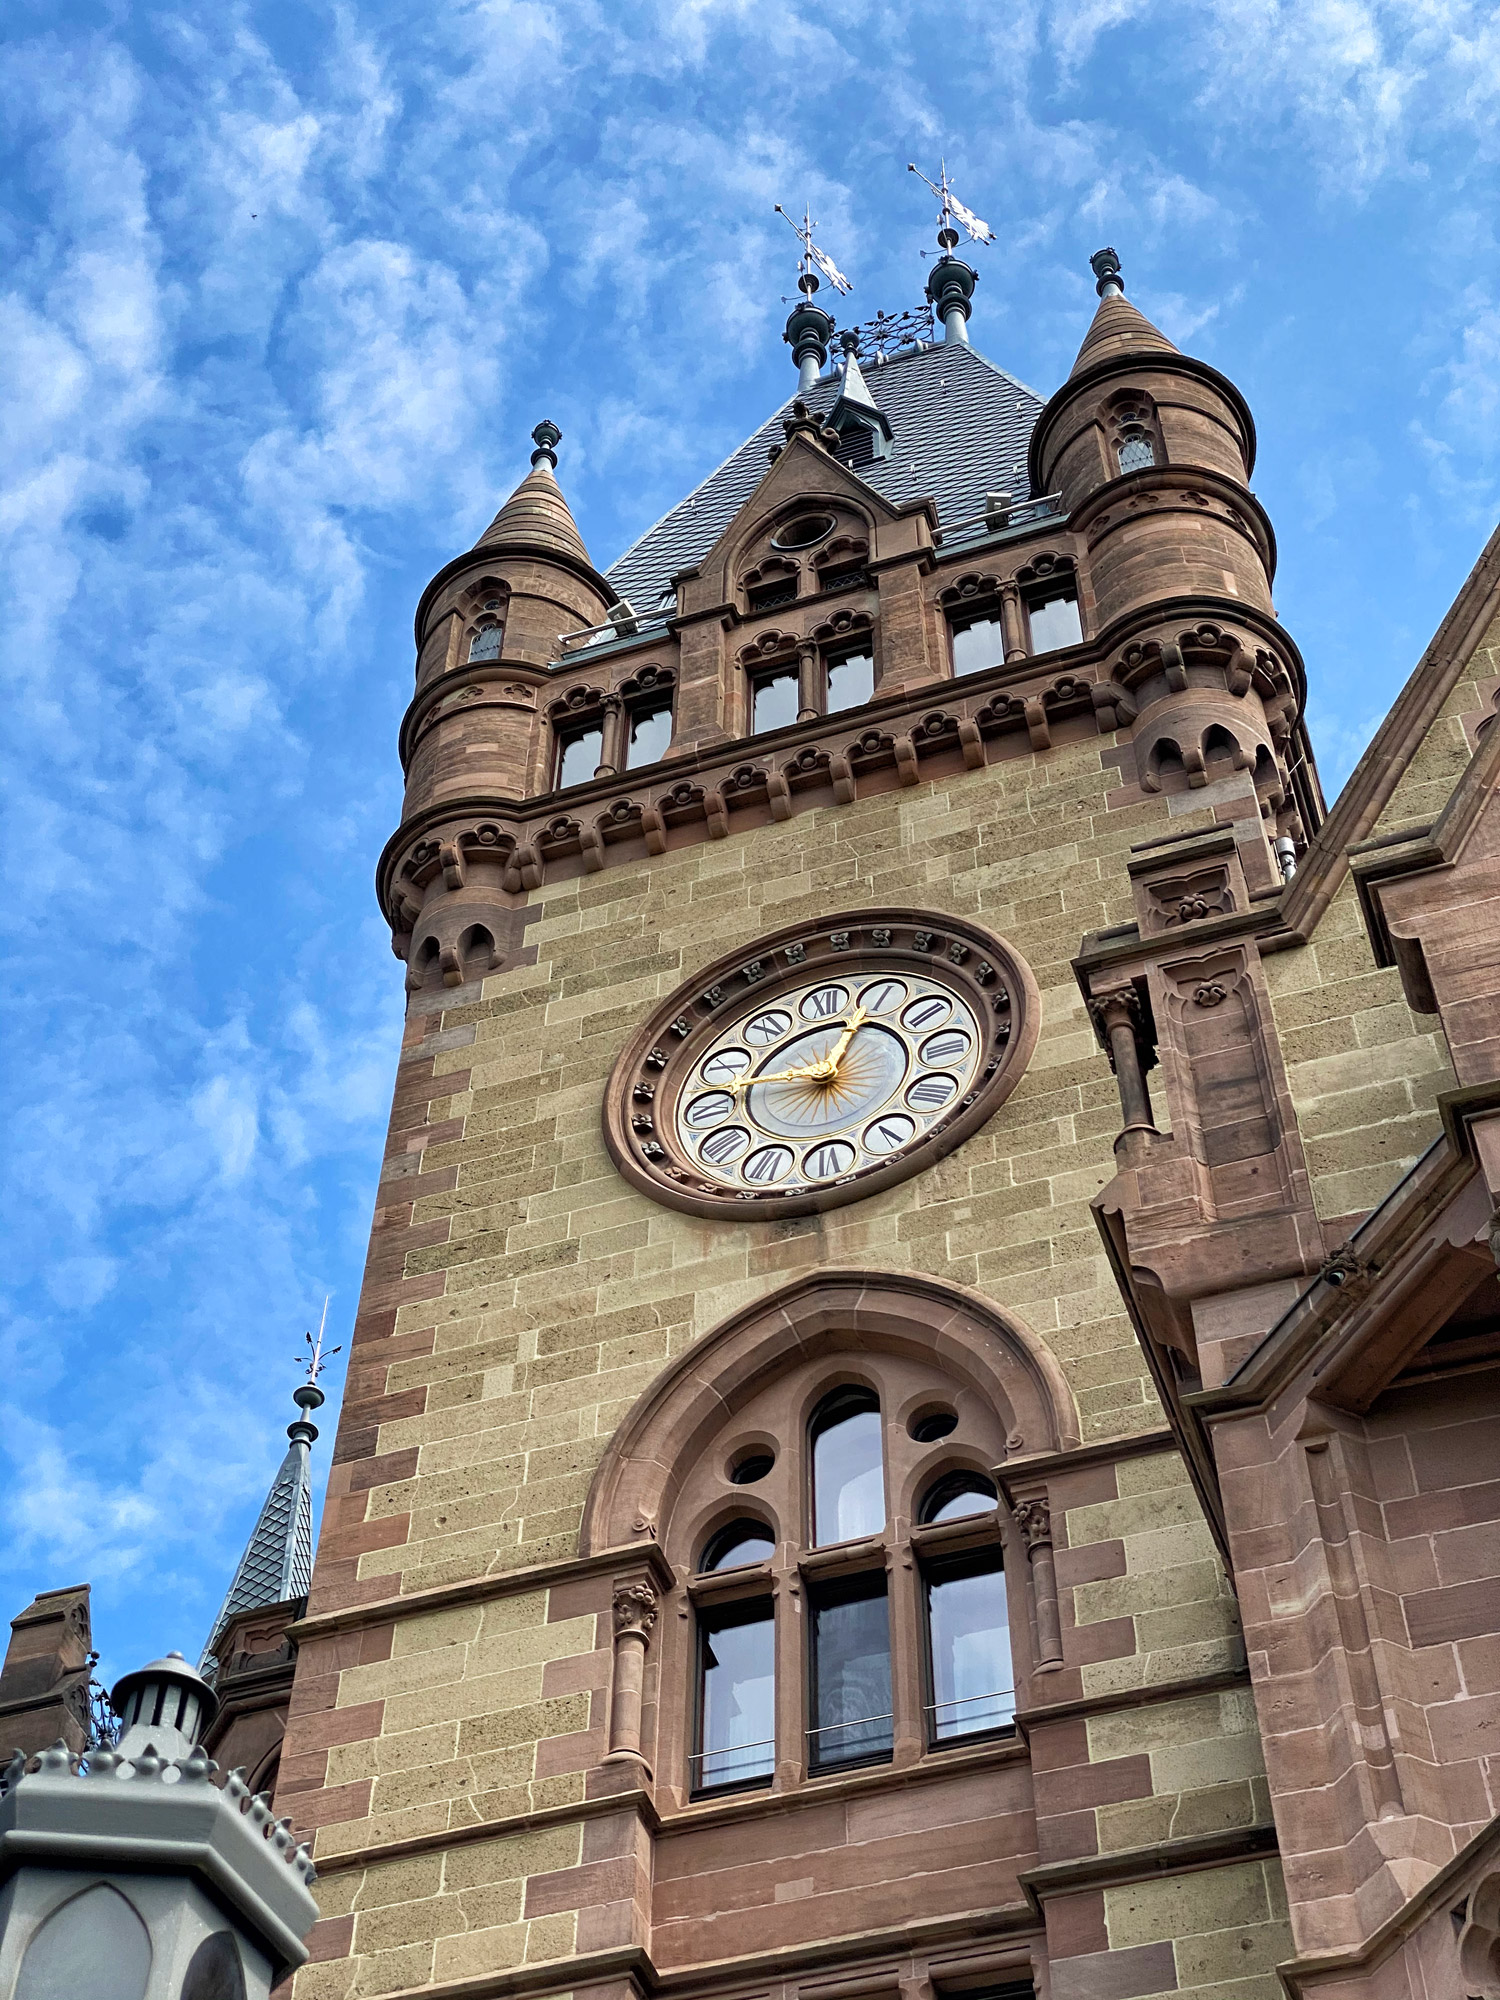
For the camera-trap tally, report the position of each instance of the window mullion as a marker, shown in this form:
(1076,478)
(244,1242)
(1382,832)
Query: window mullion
(908,1648)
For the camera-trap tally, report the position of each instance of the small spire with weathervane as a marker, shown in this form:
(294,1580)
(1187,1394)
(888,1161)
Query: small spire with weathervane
(809,328)
(951,282)
(276,1567)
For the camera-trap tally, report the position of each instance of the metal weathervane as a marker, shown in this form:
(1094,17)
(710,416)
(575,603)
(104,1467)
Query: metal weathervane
(807,283)
(953,209)
(315,1360)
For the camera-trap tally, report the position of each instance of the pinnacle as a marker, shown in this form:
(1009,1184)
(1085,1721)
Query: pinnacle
(1119,328)
(536,516)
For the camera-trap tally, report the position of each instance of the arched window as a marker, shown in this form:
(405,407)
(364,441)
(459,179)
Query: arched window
(94,1947)
(215,1971)
(486,641)
(956,1498)
(848,1474)
(737,1546)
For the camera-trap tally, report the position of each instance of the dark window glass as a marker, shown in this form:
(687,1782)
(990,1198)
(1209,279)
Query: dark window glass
(978,646)
(768,596)
(851,1675)
(973,1687)
(960,1494)
(843,579)
(775,702)
(215,1972)
(1136,451)
(1054,622)
(851,682)
(736,1697)
(486,642)
(650,733)
(848,1476)
(579,756)
(740,1543)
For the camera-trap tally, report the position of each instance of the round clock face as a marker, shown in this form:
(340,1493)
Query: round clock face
(836,1075)
(825,1064)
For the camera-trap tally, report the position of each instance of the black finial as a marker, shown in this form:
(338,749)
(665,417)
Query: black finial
(1106,268)
(849,341)
(546,437)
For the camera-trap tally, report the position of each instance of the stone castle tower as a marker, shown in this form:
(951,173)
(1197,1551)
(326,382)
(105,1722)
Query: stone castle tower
(922,1416)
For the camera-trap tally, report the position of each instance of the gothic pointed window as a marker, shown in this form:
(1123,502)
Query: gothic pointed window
(649,735)
(579,754)
(850,681)
(977,645)
(1053,617)
(774,701)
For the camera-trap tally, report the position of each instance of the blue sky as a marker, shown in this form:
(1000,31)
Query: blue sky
(284,290)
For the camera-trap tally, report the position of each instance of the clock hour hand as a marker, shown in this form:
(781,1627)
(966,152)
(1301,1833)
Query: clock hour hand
(852,1027)
(739,1083)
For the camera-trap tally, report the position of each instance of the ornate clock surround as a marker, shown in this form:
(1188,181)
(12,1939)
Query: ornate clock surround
(657,1067)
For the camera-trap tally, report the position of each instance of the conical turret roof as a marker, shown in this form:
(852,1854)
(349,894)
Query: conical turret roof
(1119,328)
(536,517)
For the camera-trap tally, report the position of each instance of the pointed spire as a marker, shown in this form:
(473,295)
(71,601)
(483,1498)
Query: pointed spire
(536,518)
(277,1563)
(855,388)
(1117,327)
(856,407)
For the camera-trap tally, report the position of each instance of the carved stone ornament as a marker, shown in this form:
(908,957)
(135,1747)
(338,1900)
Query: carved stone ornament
(870,1044)
(1347,1272)
(1034,1519)
(635,1607)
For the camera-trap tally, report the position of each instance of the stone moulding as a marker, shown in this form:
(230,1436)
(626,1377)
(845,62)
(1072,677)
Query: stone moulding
(637,1479)
(653,1067)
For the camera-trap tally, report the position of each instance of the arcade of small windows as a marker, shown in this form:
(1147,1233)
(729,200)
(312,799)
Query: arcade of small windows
(1052,621)
(855,1709)
(778,698)
(644,730)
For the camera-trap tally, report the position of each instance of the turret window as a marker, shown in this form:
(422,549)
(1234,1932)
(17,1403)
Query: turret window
(978,645)
(650,733)
(1054,620)
(1136,451)
(486,642)
(579,754)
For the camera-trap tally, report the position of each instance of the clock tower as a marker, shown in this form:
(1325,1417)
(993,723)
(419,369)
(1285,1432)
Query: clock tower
(767,1548)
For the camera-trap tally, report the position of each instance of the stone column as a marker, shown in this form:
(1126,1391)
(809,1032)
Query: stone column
(613,748)
(1119,1019)
(1012,620)
(809,682)
(635,1602)
(1034,1519)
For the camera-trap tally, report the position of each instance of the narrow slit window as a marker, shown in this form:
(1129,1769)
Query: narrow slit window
(736,1698)
(775,697)
(851,682)
(1054,621)
(978,646)
(851,1675)
(579,756)
(650,733)
(972,1681)
(848,1474)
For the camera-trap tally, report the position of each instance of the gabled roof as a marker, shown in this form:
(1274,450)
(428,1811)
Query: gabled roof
(960,427)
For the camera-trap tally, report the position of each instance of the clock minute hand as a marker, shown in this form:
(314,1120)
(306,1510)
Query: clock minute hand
(739,1083)
(852,1027)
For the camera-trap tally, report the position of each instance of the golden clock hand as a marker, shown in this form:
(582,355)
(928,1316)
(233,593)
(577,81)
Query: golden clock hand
(739,1083)
(855,1023)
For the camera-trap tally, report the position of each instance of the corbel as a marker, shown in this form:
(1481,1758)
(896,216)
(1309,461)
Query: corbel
(906,760)
(841,771)
(778,795)
(971,742)
(654,830)
(450,857)
(1037,726)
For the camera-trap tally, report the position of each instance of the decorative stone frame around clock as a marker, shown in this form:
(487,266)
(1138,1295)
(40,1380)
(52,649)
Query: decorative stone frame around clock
(654,1067)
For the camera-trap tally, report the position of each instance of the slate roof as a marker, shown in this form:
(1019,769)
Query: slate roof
(960,430)
(277,1563)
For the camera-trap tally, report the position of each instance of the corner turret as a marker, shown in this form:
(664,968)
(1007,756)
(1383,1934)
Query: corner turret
(1150,452)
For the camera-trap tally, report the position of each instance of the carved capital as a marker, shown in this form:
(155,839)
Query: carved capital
(1034,1519)
(1121,1008)
(635,1608)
